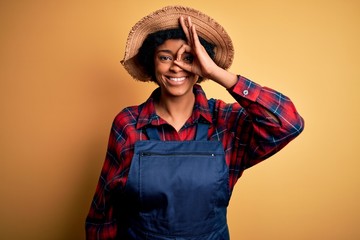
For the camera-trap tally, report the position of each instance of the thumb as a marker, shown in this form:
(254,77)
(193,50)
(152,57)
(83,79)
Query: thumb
(185,66)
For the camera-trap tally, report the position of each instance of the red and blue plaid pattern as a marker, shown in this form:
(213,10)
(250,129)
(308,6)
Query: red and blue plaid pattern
(257,125)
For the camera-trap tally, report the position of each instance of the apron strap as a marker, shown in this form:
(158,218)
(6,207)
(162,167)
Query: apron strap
(152,133)
(201,132)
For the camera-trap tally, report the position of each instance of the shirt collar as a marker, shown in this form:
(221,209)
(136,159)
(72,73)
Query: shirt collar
(201,112)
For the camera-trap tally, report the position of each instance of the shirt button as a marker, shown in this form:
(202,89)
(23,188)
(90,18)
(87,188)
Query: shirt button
(245,92)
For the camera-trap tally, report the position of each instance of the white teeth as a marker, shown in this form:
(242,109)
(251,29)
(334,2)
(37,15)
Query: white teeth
(177,79)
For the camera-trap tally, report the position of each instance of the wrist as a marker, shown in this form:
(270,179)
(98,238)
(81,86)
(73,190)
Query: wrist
(224,78)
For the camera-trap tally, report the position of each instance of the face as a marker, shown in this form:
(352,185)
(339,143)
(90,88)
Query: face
(173,81)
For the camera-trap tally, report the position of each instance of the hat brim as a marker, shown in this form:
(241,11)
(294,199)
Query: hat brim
(168,18)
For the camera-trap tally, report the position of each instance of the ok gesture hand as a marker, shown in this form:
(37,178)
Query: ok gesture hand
(202,64)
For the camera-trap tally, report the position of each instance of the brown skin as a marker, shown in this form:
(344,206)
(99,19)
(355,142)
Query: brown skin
(176,74)
(202,65)
(177,98)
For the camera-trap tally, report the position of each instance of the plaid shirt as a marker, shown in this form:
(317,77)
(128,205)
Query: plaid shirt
(247,131)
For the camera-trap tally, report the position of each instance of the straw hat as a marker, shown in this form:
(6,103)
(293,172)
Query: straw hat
(168,18)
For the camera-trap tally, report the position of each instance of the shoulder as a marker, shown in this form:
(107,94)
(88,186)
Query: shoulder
(125,122)
(126,116)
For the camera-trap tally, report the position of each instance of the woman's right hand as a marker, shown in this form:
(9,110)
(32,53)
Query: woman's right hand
(202,63)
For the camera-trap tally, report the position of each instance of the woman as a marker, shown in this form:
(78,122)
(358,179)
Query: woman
(172,162)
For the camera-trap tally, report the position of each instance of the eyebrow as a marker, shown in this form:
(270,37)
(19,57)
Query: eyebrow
(169,51)
(165,51)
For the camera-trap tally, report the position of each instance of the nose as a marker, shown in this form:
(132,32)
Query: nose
(175,68)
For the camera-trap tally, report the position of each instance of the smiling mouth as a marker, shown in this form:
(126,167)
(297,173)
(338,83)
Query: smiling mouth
(177,79)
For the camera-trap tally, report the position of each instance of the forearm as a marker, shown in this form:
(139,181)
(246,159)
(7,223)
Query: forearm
(223,77)
(274,118)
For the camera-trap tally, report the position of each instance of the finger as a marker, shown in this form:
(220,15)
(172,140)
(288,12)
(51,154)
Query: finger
(179,56)
(190,31)
(183,65)
(184,27)
(184,48)
(195,36)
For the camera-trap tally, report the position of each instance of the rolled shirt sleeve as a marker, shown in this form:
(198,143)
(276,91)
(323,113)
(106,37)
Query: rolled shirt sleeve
(268,134)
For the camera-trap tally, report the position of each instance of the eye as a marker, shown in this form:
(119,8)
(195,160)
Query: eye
(188,58)
(164,58)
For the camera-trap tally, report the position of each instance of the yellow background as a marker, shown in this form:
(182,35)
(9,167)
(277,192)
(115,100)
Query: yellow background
(62,84)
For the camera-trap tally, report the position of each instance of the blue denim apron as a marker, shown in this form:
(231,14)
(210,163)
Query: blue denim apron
(180,189)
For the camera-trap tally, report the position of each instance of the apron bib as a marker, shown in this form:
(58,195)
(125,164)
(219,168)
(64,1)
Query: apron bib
(179,189)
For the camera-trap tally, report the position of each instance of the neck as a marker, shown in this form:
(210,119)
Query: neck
(175,110)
